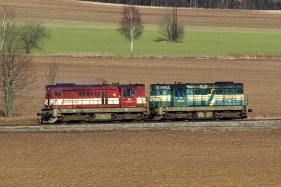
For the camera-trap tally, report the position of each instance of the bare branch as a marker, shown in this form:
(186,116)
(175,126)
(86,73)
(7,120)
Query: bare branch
(51,74)
(167,30)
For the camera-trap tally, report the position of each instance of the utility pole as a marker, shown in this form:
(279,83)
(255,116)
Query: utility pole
(175,22)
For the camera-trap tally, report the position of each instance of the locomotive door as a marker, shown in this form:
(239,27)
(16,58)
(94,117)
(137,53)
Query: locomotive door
(82,99)
(180,98)
(128,98)
(104,98)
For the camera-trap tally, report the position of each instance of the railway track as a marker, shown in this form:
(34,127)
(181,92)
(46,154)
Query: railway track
(236,125)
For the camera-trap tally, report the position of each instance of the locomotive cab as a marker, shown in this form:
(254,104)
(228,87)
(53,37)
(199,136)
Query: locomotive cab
(132,96)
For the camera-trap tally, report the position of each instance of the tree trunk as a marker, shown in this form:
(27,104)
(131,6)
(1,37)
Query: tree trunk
(132,45)
(132,30)
(9,99)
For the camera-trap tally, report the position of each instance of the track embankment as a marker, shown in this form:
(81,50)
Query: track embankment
(149,126)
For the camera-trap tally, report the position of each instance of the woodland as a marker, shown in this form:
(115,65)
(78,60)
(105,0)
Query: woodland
(222,4)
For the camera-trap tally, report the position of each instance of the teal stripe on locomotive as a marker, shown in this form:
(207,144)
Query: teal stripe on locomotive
(200,94)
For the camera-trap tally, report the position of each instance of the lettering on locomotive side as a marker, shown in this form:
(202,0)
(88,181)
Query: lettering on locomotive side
(181,101)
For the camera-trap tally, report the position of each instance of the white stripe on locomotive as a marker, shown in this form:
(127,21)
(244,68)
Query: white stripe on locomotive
(141,100)
(86,101)
(230,98)
(89,101)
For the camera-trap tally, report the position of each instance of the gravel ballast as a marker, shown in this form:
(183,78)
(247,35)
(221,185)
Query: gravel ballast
(149,126)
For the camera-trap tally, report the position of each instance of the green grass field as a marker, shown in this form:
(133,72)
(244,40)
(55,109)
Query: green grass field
(108,41)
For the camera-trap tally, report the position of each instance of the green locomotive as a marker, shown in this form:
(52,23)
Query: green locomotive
(198,101)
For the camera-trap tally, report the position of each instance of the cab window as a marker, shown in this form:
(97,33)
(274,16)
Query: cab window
(197,92)
(128,93)
(180,93)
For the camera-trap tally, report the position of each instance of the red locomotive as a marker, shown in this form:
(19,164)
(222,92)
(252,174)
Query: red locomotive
(103,102)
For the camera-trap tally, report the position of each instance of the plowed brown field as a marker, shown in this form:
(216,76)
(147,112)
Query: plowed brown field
(141,159)
(177,158)
(72,10)
(261,78)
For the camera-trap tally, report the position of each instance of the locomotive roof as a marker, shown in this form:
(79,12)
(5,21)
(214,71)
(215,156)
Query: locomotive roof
(129,85)
(63,84)
(93,85)
(196,85)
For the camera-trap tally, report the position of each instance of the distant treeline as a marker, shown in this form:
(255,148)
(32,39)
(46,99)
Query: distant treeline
(223,4)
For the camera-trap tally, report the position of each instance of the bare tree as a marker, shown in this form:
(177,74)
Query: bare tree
(32,34)
(131,25)
(15,67)
(51,74)
(167,30)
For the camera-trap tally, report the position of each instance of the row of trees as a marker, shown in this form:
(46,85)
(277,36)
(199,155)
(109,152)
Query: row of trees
(225,4)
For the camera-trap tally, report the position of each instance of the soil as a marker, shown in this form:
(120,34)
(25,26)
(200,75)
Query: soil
(212,158)
(176,158)
(83,11)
